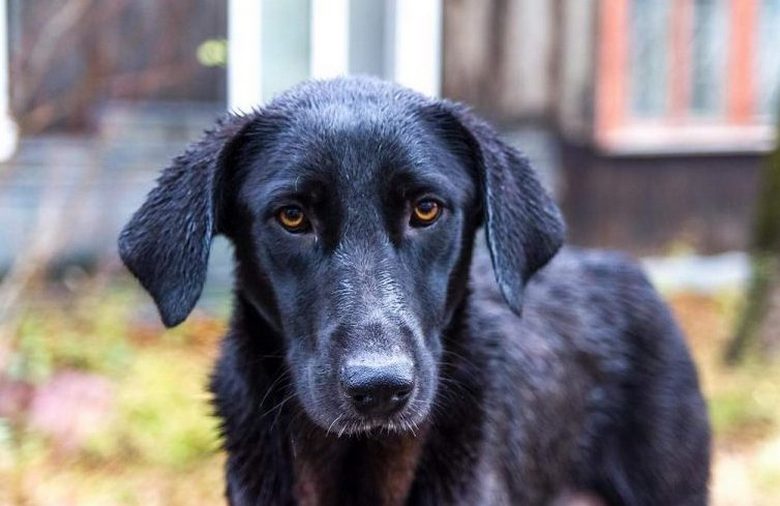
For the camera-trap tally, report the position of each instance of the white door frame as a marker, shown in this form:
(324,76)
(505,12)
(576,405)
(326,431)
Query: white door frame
(413,45)
(245,55)
(329,38)
(8,131)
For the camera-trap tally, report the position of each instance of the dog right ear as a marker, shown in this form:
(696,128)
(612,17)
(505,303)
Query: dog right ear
(166,243)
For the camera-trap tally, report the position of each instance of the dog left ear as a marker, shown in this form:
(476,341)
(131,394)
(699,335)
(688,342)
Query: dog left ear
(523,226)
(167,241)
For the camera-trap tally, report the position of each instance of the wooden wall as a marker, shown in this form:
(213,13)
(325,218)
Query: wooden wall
(520,60)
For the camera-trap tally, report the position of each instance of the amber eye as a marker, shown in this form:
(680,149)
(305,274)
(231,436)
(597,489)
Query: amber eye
(292,218)
(425,212)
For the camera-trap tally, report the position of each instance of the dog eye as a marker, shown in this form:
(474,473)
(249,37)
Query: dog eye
(292,219)
(425,212)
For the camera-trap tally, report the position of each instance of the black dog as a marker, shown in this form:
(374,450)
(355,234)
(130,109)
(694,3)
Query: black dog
(370,361)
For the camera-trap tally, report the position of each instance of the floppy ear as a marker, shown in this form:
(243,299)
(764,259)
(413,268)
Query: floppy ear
(167,241)
(523,226)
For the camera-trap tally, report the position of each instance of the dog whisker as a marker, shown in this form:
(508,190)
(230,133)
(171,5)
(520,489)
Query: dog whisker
(281,377)
(334,422)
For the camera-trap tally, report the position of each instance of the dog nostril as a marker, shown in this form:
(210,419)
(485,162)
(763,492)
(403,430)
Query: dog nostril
(362,399)
(402,393)
(378,390)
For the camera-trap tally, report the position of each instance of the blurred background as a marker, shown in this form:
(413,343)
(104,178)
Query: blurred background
(652,121)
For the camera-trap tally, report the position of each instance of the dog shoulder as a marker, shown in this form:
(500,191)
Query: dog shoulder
(596,284)
(587,307)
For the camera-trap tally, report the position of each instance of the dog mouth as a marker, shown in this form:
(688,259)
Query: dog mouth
(348,425)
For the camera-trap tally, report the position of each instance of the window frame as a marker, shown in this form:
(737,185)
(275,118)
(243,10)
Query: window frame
(741,128)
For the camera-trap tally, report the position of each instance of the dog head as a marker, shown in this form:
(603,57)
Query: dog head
(352,205)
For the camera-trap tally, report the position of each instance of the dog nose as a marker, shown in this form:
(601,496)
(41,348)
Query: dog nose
(380,388)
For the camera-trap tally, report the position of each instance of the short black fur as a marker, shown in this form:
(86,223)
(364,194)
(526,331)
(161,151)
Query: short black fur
(545,377)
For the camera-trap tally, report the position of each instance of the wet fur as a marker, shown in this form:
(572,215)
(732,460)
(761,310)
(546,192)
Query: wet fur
(550,376)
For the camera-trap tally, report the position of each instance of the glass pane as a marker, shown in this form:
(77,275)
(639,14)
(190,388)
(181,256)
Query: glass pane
(367,37)
(709,56)
(768,58)
(286,44)
(649,57)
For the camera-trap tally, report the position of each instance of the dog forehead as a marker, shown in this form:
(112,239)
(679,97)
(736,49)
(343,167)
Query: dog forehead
(355,143)
(362,124)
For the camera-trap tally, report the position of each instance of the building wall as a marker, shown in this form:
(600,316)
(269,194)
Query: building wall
(66,56)
(521,60)
(497,56)
(574,68)
(659,204)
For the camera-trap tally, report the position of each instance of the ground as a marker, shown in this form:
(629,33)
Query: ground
(100,405)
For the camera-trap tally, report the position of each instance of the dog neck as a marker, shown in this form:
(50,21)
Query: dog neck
(280,456)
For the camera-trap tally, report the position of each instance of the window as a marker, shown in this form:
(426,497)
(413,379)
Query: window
(649,48)
(768,58)
(709,53)
(687,74)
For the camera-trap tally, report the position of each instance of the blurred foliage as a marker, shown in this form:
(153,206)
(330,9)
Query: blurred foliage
(158,403)
(159,442)
(86,334)
(744,403)
(212,53)
(766,235)
(755,330)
